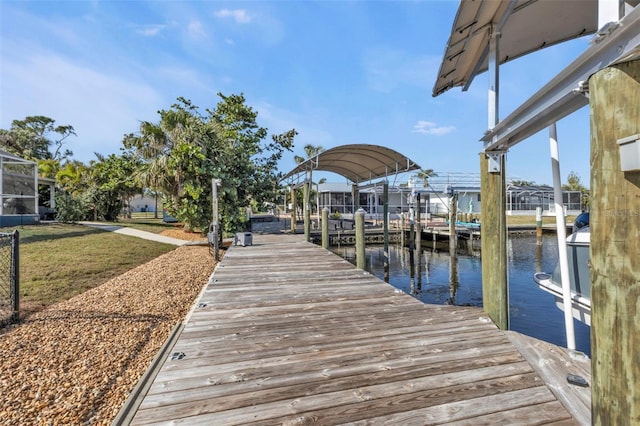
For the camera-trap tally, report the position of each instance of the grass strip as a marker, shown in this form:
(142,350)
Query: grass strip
(59,261)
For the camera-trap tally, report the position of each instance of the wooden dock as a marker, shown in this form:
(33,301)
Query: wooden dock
(289,333)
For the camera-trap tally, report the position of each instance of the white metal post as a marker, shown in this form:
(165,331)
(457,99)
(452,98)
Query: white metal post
(562,237)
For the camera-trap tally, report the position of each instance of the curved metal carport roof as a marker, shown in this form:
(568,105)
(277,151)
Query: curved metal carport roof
(357,162)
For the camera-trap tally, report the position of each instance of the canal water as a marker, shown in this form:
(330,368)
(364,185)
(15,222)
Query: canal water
(431,277)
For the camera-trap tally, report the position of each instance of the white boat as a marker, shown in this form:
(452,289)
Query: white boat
(578,256)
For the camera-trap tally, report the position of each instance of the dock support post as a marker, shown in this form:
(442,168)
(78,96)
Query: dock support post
(412,237)
(385,212)
(293,209)
(615,247)
(307,210)
(418,224)
(453,237)
(360,260)
(356,197)
(539,224)
(493,232)
(325,227)
(493,239)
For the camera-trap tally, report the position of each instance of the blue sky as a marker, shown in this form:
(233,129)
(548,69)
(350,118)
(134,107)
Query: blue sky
(338,72)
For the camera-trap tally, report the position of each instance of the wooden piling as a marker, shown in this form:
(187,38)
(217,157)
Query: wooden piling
(453,237)
(307,210)
(293,210)
(493,237)
(360,259)
(418,222)
(355,193)
(385,210)
(539,224)
(615,247)
(325,227)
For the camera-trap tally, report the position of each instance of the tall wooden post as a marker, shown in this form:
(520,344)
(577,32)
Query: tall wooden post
(493,238)
(385,212)
(418,224)
(453,214)
(215,224)
(356,197)
(615,247)
(306,208)
(360,259)
(325,227)
(293,210)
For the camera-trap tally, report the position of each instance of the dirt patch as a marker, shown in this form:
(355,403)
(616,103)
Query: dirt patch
(77,361)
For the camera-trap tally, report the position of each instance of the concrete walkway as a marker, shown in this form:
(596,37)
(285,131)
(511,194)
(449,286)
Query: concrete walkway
(136,233)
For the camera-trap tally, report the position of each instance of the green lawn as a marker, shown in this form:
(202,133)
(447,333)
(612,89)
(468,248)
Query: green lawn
(58,261)
(531,220)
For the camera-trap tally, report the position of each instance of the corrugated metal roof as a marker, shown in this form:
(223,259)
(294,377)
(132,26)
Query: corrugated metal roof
(525,26)
(358,162)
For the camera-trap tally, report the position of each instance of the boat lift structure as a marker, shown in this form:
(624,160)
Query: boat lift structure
(359,163)
(488,33)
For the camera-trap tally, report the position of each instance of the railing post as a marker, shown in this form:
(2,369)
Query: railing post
(360,260)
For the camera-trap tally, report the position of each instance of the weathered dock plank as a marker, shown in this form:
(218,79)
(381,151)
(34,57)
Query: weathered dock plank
(288,333)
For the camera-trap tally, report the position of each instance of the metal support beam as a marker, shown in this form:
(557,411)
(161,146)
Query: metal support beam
(561,231)
(564,94)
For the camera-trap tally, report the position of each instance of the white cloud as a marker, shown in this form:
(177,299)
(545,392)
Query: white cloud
(151,30)
(430,128)
(239,15)
(195,29)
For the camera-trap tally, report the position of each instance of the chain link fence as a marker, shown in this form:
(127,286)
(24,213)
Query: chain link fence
(9,277)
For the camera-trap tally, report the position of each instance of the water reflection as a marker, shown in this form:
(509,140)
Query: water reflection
(436,277)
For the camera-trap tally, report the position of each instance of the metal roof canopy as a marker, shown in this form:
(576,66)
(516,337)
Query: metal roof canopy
(566,93)
(525,26)
(357,162)
(515,19)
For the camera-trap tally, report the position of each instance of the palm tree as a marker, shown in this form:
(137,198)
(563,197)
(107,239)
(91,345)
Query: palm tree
(424,175)
(310,152)
(72,177)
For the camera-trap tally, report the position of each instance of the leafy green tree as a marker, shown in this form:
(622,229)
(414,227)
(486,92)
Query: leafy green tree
(185,150)
(37,138)
(574,184)
(72,208)
(112,184)
(520,182)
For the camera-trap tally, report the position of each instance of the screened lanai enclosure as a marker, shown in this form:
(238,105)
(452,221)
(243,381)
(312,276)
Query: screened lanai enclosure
(523,200)
(18,190)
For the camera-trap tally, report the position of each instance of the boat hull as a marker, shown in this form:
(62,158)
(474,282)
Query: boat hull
(580,278)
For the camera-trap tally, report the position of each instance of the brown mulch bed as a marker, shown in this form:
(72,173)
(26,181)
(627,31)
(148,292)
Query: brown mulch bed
(77,361)
(184,235)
